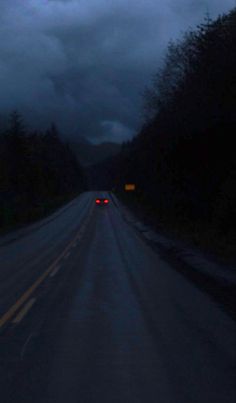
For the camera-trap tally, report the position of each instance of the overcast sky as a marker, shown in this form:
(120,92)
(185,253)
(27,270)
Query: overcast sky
(85,63)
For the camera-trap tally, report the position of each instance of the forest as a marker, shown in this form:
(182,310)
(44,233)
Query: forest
(38,173)
(183,159)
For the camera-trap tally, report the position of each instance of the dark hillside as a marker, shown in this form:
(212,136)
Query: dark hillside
(38,173)
(88,153)
(183,160)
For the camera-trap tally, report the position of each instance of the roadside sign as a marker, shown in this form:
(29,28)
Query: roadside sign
(129,187)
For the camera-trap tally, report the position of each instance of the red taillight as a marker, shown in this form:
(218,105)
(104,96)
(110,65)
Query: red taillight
(106,201)
(98,201)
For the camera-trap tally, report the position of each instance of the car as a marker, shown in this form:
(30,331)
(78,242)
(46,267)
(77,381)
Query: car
(101,201)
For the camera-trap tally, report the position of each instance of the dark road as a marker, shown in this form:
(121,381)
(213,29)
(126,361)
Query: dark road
(90,313)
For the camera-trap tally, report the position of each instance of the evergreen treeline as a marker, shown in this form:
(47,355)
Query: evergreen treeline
(183,160)
(38,172)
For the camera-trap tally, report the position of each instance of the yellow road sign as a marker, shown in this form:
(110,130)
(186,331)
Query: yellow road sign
(129,186)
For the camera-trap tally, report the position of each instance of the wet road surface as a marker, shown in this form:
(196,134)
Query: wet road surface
(110,321)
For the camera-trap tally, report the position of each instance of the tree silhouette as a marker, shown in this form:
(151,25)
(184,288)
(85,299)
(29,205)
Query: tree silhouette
(183,159)
(38,172)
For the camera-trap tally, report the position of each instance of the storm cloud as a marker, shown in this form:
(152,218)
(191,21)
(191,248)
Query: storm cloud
(85,63)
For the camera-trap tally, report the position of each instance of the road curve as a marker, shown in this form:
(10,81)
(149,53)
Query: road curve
(111,321)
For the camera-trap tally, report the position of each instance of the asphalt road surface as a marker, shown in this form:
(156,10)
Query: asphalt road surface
(90,313)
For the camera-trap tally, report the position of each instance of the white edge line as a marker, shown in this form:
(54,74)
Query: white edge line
(54,272)
(67,254)
(24,311)
(25,345)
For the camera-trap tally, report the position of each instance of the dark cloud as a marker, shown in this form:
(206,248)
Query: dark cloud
(85,63)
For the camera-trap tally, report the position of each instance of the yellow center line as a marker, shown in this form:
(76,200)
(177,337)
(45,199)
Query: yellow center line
(14,308)
(8,315)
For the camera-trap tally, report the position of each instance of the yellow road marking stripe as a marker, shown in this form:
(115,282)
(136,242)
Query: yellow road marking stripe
(14,308)
(8,315)
(24,311)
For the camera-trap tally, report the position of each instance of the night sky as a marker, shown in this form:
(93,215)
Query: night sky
(85,63)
